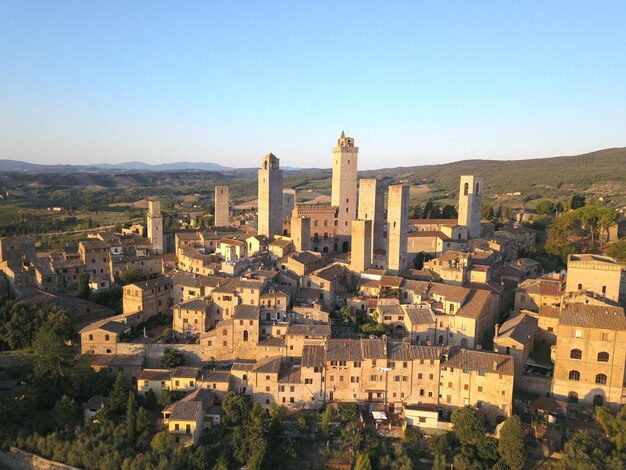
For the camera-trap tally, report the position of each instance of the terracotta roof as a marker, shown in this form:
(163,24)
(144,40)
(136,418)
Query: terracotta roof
(231,241)
(419,315)
(308,330)
(313,356)
(155,374)
(246,312)
(400,351)
(152,283)
(391,281)
(373,348)
(519,328)
(476,304)
(272,342)
(193,304)
(218,376)
(268,365)
(186,372)
(329,273)
(455,294)
(289,374)
(593,316)
(244,366)
(304,257)
(344,350)
(480,361)
(107,325)
(547,311)
(186,411)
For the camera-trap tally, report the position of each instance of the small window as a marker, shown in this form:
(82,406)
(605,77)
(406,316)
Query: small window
(603,357)
(576,354)
(601,379)
(574,375)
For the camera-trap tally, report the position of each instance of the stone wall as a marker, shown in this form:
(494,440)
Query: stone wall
(153,352)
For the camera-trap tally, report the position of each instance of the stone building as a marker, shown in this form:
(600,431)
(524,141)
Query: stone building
(599,274)
(589,355)
(398,222)
(344,184)
(155,226)
(146,299)
(471,204)
(361,254)
(289,202)
(372,207)
(222,206)
(301,233)
(270,197)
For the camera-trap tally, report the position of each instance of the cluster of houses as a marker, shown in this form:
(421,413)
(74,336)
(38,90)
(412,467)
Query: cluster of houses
(268,311)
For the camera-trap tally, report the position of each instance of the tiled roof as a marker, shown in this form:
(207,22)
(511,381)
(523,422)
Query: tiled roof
(246,312)
(373,348)
(313,356)
(289,374)
(193,304)
(216,376)
(329,273)
(308,330)
(268,365)
(272,342)
(389,309)
(153,283)
(107,325)
(391,281)
(400,351)
(519,328)
(593,316)
(186,411)
(305,257)
(480,361)
(155,374)
(186,372)
(419,315)
(475,305)
(344,350)
(455,294)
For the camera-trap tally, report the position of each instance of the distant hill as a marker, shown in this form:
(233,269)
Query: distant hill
(19,166)
(578,172)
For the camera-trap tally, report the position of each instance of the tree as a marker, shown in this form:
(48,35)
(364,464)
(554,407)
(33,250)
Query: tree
(363,461)
(143,420)
(235,408)
(172,358)
(52,358)
(161,443)
(449,212)
(326,418)
(487,212)
(468,426)
(84,291)
(618,250)
(131,417)
(546,207)
(577,201)
(511,444)
(130,276)
(118,398)
(65,413)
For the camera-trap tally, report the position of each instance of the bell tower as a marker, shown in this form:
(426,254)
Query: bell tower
(344,195)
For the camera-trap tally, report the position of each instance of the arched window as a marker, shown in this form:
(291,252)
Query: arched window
(267,377)
(574,375)
(245,335)
(603,357)
(601,378)
(224,332)
(466,189)
(572,397)
(576,354)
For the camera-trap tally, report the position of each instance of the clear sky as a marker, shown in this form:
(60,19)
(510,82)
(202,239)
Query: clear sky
(413,82)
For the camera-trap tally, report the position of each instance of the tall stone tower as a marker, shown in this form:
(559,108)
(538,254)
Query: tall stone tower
(270,212)
(361,255)
(222,213)
(345,159)
(155,225)
(301,233)
(372,207)
(471,204)
(398,221)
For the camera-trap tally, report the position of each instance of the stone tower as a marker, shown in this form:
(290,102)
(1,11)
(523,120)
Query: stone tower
(345,158)
(372,207)
(398,221)
(301,233)
(361,255)
(270,212)
(289,202)
(222,213)
(471,204)
(155,225)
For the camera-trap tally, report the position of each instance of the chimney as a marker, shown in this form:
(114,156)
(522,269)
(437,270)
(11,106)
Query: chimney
(495,365)
(497,329)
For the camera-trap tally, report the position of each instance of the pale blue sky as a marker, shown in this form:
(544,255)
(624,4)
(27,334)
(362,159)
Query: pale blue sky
(413,82)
